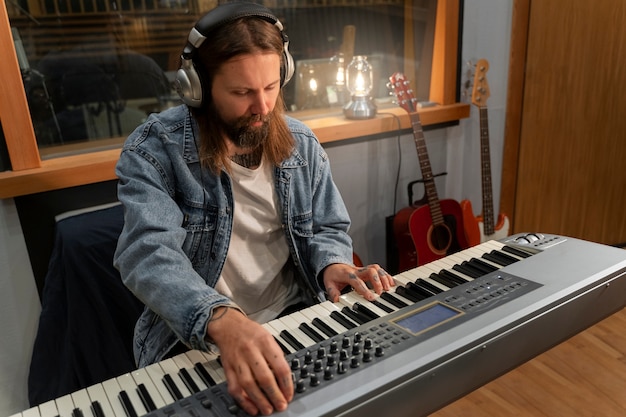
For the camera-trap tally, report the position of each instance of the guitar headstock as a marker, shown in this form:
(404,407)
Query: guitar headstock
(401,88)
(480,92)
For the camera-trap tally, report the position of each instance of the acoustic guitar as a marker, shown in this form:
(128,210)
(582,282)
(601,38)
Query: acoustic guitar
(483,227)
(428,229)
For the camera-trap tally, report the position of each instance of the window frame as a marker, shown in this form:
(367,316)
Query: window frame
(31,174)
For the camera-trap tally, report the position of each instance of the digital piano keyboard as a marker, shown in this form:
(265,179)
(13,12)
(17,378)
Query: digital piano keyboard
(447,328)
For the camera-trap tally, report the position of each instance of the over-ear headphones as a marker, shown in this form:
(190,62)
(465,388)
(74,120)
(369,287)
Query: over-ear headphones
(188,82)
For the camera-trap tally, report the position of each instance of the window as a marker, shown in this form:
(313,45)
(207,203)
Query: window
(95,69)
(92,70)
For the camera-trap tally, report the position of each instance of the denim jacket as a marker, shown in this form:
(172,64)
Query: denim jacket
(178,221)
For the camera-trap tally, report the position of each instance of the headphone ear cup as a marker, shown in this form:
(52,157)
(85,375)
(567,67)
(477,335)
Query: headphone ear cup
(188,84)
(289,68)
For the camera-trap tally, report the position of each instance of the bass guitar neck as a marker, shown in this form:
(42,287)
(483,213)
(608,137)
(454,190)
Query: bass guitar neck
(483,227)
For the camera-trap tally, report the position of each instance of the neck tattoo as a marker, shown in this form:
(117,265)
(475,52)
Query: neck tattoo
(249,160)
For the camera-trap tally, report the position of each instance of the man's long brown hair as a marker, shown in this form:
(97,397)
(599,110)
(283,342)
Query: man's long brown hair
(243,36)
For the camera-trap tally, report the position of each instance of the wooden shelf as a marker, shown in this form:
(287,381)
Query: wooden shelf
(92,167)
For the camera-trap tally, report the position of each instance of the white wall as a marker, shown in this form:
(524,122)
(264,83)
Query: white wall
(19,312)
(365,172)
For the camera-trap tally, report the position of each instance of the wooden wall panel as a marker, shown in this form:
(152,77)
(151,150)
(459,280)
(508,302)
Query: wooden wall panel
(571,178)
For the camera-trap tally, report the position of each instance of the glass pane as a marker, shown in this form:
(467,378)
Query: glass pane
(94,69)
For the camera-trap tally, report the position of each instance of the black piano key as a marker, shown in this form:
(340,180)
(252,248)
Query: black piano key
(485,267)
(96,409)
(428,286)
(204,374)
(325,328)
(145,397)
(127,404)
(291,340)
(442,279)
(284,348)
(417,289)
(403,291)
(309,331)
(467,269)
(500,258)
(343,320)
(383,306)
(77,412)
(188,380)
(365,311)
(453,277)
(171,387)
(354,315)
(515,251)
(395,301)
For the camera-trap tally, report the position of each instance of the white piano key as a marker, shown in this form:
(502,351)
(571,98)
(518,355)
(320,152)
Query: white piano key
(393,291)
(293,327)
(48,409)
(112,389)
(183,362)
(276,335)
(82,402)
(352,297)
(170,368)
(447,266)
(495,245)
(476,253)
(413,276)
(279,326)
(459,258)
(207,360)
(329,305)
(31,412)
(334,307)
(141,376)
(301,318)
(127,384)
(96,393)
(387,303)
(317,312)
(65,405)
(156,373)
(492,245)
(217,367)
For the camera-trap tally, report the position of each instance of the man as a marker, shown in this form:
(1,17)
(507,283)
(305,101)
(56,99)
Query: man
(231,214)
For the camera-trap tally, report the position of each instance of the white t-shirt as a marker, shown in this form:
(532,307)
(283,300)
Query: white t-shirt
(257,275)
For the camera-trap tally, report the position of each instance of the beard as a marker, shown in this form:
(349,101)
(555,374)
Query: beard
(245,136)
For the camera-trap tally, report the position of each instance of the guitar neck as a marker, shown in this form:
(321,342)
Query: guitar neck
(427,173)
(485,158)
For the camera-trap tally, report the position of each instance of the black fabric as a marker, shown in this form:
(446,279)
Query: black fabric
(88,316)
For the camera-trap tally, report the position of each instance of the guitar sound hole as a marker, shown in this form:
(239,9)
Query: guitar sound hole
(441,238)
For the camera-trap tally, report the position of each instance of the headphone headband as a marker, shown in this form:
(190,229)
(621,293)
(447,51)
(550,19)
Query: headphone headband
(188,80)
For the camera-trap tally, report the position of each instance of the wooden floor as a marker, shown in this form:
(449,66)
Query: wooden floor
(583,376)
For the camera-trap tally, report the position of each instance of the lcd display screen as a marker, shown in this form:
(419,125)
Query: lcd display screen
(427,318)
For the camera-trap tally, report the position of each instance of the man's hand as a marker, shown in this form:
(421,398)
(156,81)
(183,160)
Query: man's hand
(338,276)
(258,376)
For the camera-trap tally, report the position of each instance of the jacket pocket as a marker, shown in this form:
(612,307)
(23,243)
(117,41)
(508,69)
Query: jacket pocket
(303,224)
(200,225)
